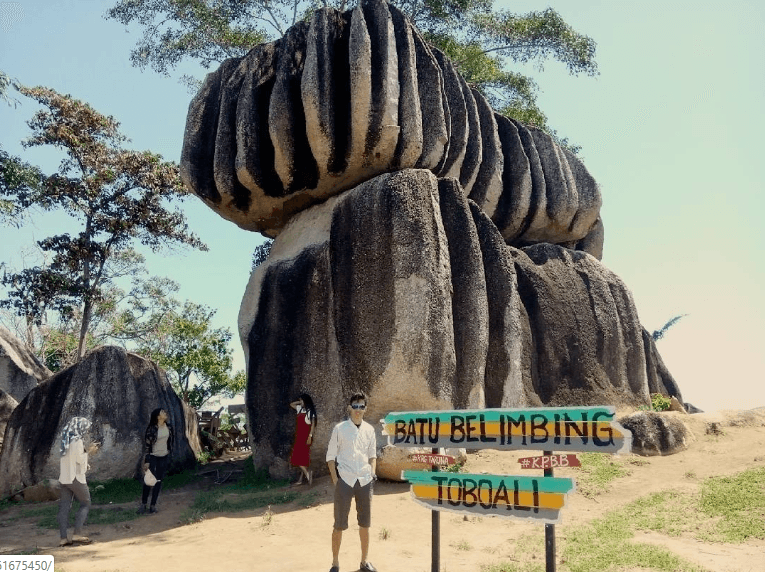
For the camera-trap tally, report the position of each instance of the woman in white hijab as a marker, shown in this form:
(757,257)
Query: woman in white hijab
(74,464)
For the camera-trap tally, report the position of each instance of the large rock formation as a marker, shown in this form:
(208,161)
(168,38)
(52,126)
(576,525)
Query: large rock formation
(117,391)
(404,288)
(20,371)
(352,95)
(428,250)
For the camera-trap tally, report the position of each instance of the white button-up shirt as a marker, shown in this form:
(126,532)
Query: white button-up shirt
(351,448)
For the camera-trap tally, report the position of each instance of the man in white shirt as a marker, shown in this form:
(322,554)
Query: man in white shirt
(352,459)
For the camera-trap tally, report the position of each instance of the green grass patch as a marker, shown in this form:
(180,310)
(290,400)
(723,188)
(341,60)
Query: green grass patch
(605,545)
(254,490)
(727,509)
(220,501)
(120,491)
(308,499)
(97,516)
(597,472)
(512,567)
(737,504)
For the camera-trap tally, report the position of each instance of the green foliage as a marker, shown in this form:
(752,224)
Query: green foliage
(117,196)
(196,356)
(596,473)
(659,402)
(15,175)
(661,332)
(481,41)
(6,83)
(454,468)
(261,252)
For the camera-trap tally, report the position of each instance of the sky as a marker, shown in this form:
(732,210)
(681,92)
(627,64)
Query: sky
(670,128)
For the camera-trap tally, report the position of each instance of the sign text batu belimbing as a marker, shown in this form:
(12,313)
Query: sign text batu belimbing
(544,429)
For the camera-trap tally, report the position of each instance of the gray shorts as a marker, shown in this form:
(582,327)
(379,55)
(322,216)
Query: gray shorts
(343,495)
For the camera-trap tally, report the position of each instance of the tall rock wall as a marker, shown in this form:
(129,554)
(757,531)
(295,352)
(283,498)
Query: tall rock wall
(117,391)
(406,289)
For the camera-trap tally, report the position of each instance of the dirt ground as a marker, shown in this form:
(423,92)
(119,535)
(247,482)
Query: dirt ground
(298,538)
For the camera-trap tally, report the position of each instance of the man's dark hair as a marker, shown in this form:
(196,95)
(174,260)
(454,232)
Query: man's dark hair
(358,396)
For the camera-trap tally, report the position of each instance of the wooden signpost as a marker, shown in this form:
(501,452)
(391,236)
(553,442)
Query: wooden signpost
(547,429)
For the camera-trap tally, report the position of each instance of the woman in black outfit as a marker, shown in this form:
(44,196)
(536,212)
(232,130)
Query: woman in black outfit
(159,441)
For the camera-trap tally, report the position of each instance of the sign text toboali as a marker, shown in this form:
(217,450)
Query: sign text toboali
(536,498)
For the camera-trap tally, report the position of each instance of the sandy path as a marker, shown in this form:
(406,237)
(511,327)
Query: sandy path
(298,538)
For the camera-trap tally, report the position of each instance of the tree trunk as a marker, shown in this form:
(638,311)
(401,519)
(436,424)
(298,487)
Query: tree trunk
(87,310)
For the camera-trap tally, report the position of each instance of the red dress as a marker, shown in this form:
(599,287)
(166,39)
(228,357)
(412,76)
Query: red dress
(300,450)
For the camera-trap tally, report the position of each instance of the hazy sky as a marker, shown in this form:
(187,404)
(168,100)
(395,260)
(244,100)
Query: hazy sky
(671,129)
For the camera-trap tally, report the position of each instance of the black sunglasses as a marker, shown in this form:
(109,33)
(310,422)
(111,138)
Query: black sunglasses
(358,406)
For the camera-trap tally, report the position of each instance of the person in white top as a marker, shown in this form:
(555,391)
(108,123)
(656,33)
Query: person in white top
(73,465)
(352,459)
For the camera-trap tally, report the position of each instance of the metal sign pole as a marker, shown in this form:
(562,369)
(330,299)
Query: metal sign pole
(436,524)
(549,532)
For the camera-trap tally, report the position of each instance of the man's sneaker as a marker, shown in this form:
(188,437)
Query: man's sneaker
(367,567)
(335,569)
(152,509)
(141,509)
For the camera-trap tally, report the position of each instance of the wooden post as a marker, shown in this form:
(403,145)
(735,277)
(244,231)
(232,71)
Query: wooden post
(436,532)
(549,532)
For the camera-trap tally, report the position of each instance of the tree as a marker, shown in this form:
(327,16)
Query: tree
(8,212)
(117,196)
(196,356)
(6,82)
(261,252)
(659,334)
(480,40)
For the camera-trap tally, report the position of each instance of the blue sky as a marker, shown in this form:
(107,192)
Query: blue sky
(671,129)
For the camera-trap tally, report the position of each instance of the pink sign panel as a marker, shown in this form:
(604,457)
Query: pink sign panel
(549,461)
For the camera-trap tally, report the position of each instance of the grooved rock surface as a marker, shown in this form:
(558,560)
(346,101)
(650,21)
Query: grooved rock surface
(655,433)
(117,391)
(20,371)
(406,289)
(355,94)
(7,405)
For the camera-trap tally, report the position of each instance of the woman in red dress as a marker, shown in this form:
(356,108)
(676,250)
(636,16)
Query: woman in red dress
(304,428)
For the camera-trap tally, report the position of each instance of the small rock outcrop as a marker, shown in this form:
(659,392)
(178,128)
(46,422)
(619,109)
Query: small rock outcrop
(655,433)
(117,391)
(351,95)
(20,371)
(404,288)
